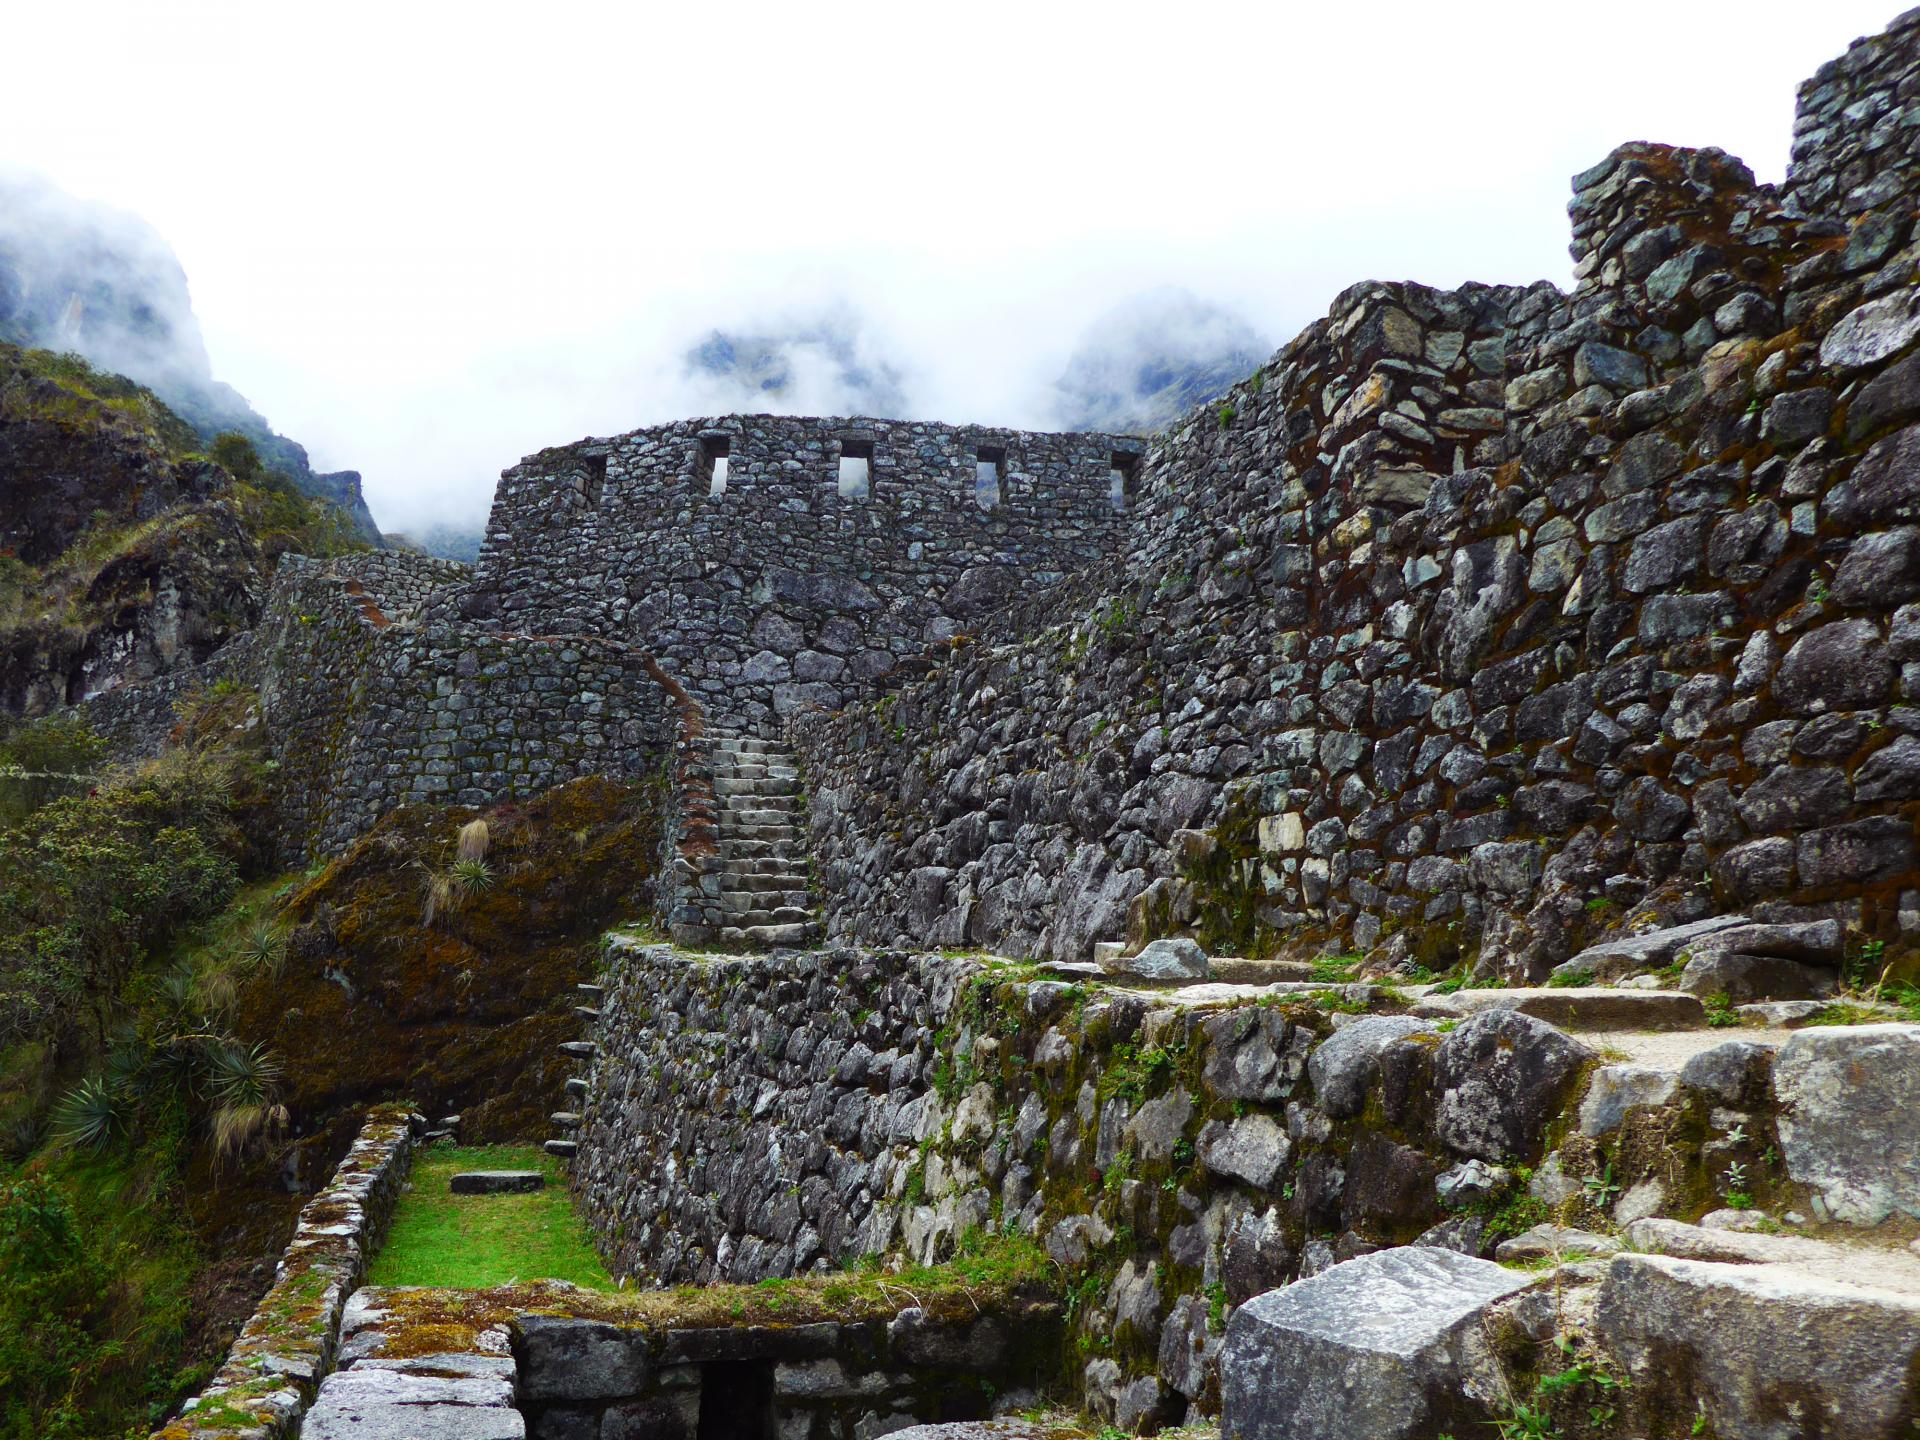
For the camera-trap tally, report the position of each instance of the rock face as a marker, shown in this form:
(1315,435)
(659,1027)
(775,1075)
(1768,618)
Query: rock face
(1385,1346)
(1762,1351)
(1850,1118)
(82,278)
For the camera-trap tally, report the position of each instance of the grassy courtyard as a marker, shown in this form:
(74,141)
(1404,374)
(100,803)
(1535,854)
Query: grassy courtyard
(474,1242)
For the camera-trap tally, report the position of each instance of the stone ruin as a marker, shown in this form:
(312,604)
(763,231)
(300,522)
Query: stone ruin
(1509,630)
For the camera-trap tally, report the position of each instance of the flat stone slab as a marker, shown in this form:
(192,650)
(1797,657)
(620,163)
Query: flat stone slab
(348,1421)
(1625,954)
(497,1182)
(1591,1007)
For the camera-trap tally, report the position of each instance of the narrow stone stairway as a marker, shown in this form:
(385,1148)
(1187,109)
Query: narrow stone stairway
(763,846)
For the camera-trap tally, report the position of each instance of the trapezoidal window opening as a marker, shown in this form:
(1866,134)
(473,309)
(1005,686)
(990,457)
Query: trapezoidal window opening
(711,464)
(989,469)
(593,478)
(855,480)
(1123,475)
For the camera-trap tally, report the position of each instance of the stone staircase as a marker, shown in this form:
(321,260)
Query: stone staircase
(763,848)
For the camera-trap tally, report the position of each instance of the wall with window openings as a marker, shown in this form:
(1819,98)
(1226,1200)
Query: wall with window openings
(776,562)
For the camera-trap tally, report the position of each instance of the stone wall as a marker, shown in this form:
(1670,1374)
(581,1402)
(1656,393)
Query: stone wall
(287,1346)
(1177,1152)
(781,591)
(366,712)
(135,720)
(1475,621)
(372,697)
(1856,138)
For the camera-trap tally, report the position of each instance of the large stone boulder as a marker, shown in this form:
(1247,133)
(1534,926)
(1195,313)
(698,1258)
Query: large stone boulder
(1177,961)
(1763,1352)
(1849,1118)
(1502,1076)
(1344,1065)
(1386,1346)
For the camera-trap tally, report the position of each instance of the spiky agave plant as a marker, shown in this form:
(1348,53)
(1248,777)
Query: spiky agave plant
(90,1115)
(264,949)
(244,1084)
(472,878)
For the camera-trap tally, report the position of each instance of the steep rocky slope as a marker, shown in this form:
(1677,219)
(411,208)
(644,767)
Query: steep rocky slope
(124,551)
(97,282)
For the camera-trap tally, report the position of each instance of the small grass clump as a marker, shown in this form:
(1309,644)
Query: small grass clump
(475,1242)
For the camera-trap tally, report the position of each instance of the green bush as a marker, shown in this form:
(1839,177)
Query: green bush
(89,883)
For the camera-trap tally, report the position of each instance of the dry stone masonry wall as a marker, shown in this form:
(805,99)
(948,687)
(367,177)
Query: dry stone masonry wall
(779,590)
(1181,1153)
(1474,621)
(288,1345)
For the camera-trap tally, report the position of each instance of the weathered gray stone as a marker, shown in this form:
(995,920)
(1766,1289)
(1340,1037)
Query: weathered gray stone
(1252,1149)
(1872,332)
(496,1182)
(1347,1062)
(1502,1076)
(1387,1346)
(1849,1118)
(1838,666)
(1763,1352)
(568,1359)
(1734,1073)
(1166,960)
(1616,1089)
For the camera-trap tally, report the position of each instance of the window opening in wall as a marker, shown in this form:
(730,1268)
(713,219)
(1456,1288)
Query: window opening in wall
(713,464)
(989,465)
(1124,471)
(593,478)
(856,469)
(736,1400)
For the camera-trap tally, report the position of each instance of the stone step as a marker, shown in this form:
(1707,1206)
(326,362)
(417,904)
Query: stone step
(764,881)
(744,769)
(734,849)
(564,1120)
(744,745)
(778,915)
(1594,1007)
(774,833)
(579,1049)
(759,810)
(577,1087)
(732,785)
(587,1013)
(565,1149)
(592,992)
(794,933)
(765,865)
(754,902)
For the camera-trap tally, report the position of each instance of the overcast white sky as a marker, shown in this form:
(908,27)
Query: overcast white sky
(426,239)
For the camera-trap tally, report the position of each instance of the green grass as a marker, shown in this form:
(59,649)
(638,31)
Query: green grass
(474,1242)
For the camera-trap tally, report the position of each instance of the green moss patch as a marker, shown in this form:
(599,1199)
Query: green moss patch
(476,1242)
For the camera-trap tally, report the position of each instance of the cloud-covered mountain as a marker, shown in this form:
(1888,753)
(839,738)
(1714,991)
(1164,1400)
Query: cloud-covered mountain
(101,283)
(1150,359)
(823,365)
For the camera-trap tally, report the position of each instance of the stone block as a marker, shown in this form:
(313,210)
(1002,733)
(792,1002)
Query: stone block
(1763,1352)
(1387,1346)
(1849,1118)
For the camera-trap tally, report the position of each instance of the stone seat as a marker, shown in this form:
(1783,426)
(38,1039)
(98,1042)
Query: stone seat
(497,1182)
